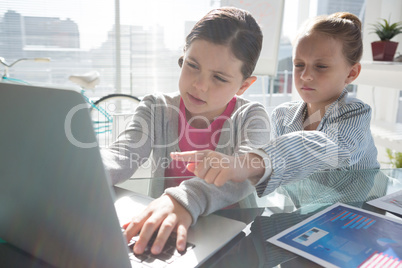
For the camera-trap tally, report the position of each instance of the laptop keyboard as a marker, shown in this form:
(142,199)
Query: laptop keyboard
(168,255)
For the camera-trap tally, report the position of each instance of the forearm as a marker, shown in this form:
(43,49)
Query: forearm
(201,198)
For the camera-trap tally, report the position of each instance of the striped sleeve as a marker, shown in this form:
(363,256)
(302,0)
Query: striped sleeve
(343,141)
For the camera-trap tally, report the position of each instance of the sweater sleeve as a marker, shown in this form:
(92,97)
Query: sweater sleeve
(201,198)
(133,146)
(249,127)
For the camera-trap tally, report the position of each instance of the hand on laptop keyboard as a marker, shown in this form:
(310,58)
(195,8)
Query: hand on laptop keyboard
(167,255)
(165,214)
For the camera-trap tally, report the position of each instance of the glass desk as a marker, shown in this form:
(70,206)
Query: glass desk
(269,215)
(292,203)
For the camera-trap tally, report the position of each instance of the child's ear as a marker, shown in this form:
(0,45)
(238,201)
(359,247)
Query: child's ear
(246,84)
(354,73)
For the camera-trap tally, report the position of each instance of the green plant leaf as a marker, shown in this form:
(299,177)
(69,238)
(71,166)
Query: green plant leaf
(385,30)
(395,158)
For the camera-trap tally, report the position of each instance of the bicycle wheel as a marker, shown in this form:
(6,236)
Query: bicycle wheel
(118,96)
(109,108)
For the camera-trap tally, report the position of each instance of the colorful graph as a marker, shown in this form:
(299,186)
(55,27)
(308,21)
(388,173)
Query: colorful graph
(380,259)
(353,220)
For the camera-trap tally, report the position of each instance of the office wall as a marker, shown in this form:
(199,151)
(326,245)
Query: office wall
(384,100)
(376,9)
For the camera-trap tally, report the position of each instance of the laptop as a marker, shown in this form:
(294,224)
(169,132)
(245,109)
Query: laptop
(56,201)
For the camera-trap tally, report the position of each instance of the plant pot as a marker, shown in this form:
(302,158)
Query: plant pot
(384,50)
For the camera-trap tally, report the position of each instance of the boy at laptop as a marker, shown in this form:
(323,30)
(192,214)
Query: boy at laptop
(219,58)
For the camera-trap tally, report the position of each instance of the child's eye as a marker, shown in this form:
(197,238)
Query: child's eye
(322,66)
(192,65)
(298,65)
(220,78)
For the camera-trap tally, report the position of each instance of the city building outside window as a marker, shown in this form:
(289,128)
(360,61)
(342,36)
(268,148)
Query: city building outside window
(80,36)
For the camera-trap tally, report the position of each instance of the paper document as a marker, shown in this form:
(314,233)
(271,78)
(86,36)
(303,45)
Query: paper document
(345,236)
(391,202)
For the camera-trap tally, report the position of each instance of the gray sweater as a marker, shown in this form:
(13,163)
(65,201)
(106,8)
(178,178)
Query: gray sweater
(153,133)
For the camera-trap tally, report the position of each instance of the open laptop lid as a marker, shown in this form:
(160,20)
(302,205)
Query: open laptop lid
(52,181)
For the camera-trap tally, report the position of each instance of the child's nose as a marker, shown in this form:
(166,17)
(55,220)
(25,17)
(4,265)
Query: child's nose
(200,83)
(306,74)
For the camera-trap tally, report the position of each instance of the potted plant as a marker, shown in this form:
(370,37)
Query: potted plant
(384,50)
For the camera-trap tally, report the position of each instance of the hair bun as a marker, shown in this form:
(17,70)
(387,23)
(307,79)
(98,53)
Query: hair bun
(348,16)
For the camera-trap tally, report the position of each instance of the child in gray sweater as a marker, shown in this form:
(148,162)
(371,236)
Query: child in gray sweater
(219,58)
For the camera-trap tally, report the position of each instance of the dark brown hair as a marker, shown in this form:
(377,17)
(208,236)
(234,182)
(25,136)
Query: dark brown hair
(233,27)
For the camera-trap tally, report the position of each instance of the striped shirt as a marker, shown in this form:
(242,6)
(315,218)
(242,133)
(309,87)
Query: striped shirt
(341,141)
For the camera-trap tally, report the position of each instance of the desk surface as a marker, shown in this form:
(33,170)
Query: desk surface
(301,200)
(271,214)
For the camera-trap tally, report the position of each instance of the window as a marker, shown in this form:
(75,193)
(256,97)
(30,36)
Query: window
(80,36)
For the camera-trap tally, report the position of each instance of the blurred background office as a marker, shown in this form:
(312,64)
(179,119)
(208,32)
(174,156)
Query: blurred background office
(135,45)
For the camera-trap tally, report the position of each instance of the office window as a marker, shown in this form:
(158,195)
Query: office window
(152,39)
(72,33)
(80,36)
